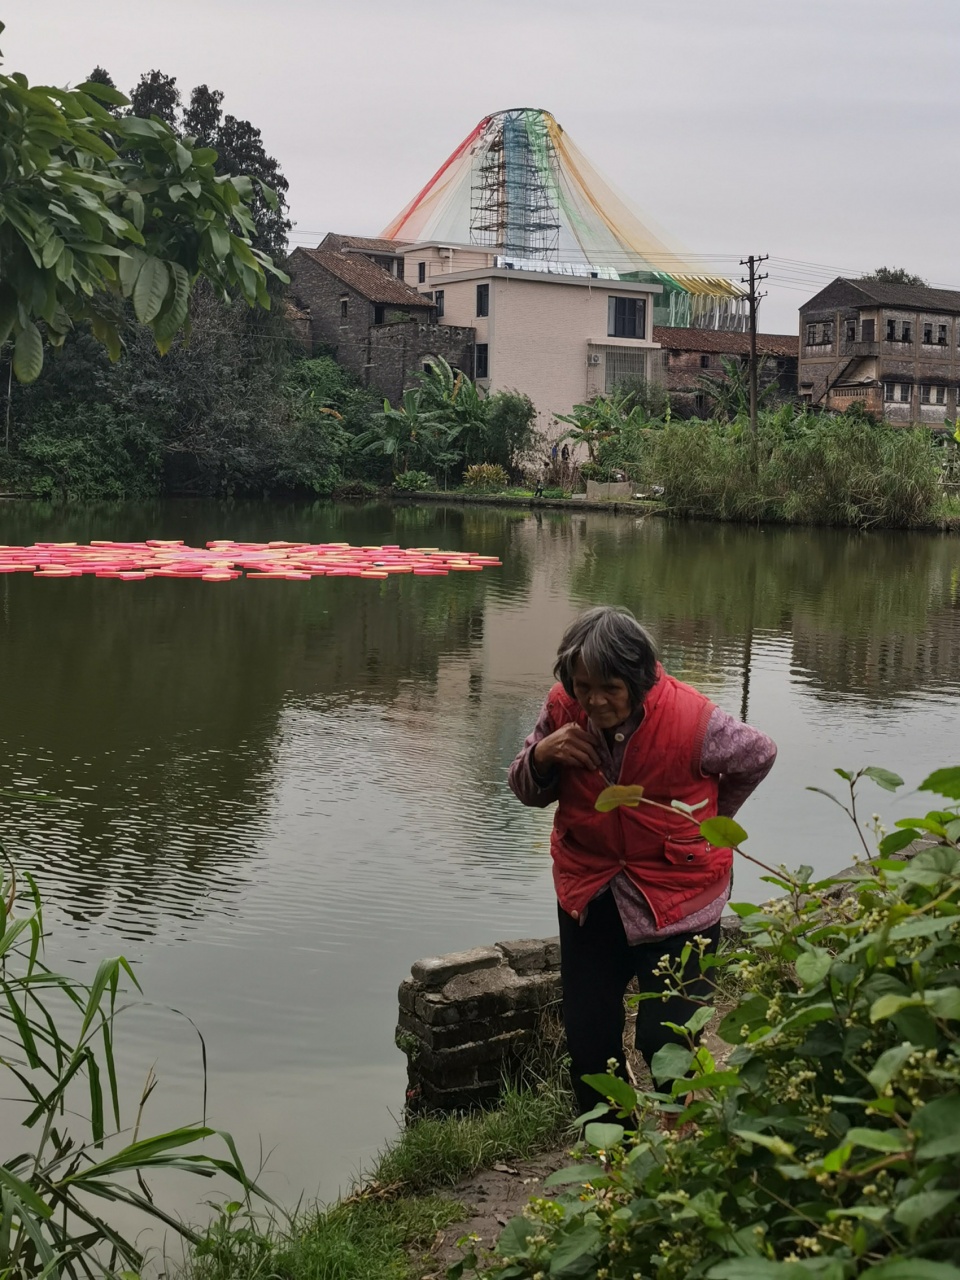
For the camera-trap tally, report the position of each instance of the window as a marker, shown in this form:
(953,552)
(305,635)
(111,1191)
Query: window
(438,299)
(343,308)
(925,394)
(621,364)
(483,300)
(907,335)
(626,317)
(481,361)
(378,314)
(400,268)
(940,395)
(811,335)
(852,331)
(891,330)
(906,392)
(421,272)
(928,334)
(941,335)
(828,332)
(704,362)
(868,330)
(889,389)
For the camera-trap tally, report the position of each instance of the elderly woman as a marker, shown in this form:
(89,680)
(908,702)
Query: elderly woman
(636,883)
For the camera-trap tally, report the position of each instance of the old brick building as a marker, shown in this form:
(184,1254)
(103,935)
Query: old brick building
(387,254)
(376,326)
(689,354)
(892,348)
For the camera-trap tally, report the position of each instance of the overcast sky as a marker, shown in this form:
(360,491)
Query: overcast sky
(822,132)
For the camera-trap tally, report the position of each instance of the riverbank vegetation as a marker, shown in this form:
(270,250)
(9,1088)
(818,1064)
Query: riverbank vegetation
(827,1143)
(237,411)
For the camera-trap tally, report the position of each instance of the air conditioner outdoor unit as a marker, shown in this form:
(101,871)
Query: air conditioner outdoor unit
(593,358)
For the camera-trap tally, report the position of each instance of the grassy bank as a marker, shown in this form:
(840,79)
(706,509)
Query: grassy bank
(383,1228)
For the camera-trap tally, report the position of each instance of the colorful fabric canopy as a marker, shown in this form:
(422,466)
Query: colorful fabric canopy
(518,185)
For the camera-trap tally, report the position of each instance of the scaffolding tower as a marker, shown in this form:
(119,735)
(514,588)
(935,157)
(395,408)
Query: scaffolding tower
(513,200)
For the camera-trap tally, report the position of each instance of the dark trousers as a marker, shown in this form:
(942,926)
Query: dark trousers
(596,964)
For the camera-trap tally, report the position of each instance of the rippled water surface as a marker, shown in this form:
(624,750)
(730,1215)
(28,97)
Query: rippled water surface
(276,796)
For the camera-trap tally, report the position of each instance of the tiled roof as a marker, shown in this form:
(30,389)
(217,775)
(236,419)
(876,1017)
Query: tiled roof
(726,343)
(864,293)
(364,276)
(366,244)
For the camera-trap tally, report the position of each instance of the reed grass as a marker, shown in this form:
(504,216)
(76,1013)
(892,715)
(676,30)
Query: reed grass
(828,471)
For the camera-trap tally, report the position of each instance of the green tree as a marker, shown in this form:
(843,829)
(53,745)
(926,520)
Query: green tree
(509,436)
(156,94)
(410,436)
(602,420)
(896,275)
(729,392)
(93,205)
(457,408)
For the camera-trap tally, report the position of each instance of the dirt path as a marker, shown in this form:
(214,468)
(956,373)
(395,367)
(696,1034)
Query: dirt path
(492,1197)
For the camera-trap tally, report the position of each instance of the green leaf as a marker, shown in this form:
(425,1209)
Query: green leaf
(603,1136)
(883,778)
(770,1142)
(916,1210)
(722,832)
(922,928)
(944,1002)
(28,353)
(579,1173)
(613,1087)
(943,782)
(897,840)
(758,1269)
(914,1269)
(573,1254)
(24,1192)
(150,290)
(103,93)
(889,1140)
(699,1019)
(889,1062)
(671,1062)
(887,1006)
(219,241)
(938,1126)
(813,966)
(514,1236)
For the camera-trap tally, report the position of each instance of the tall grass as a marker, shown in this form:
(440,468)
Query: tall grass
(831,471)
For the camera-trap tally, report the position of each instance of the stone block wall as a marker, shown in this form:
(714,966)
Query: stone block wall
(469,1019)
(399,351)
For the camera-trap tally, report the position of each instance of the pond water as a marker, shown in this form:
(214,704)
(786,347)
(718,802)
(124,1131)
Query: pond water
(275,797)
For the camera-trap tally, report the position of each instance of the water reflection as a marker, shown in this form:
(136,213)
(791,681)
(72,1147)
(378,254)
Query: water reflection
(302,785)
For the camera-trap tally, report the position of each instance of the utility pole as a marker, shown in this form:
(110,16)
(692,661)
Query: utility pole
(752,280)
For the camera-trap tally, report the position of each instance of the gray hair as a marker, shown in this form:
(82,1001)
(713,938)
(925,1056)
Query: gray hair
(613,646)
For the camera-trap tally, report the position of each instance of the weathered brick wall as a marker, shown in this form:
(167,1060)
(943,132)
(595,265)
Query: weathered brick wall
(469,1019)
(400,350)
(321,293)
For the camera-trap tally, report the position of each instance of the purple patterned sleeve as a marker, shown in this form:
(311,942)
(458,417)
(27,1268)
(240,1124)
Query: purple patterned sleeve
(525,783)
(739,754)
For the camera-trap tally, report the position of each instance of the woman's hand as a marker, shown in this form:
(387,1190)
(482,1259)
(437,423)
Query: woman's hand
(569,747)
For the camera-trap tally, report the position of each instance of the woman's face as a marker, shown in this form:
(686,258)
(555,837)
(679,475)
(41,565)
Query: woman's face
(606,702)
